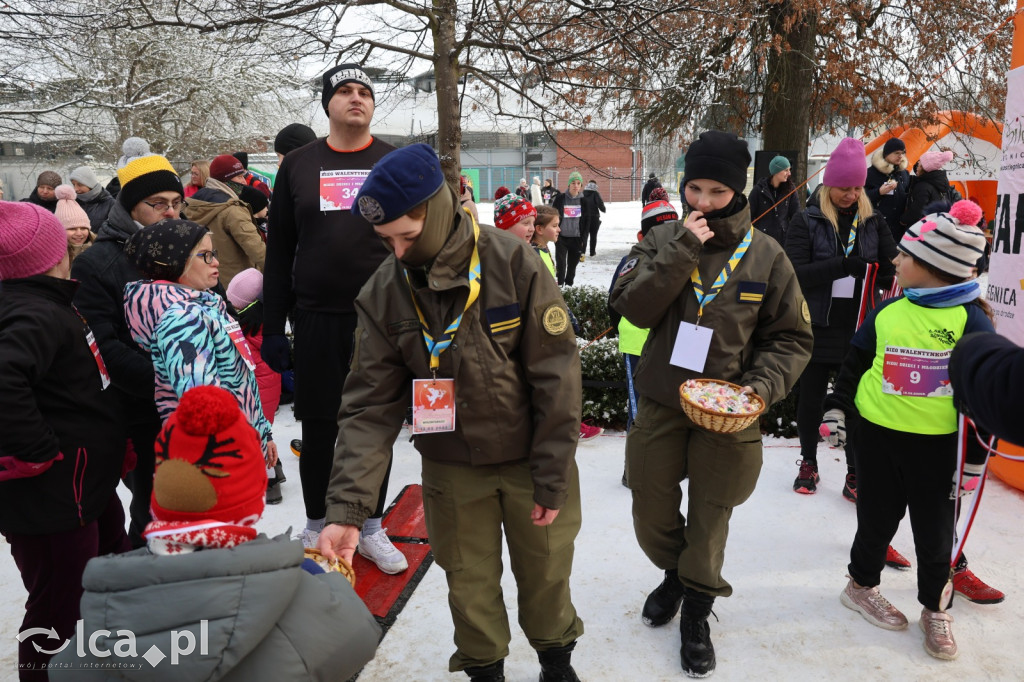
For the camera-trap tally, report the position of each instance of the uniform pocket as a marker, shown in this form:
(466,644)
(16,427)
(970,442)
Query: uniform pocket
(441,515)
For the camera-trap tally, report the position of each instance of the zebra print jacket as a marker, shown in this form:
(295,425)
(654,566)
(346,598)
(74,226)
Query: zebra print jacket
(193,342)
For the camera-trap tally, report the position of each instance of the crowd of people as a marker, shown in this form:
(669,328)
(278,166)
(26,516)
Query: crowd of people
(144,332)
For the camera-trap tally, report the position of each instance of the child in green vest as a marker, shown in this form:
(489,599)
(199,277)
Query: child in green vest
(545,231)
(896,376)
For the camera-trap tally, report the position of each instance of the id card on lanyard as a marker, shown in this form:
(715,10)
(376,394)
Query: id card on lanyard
(845,287)
(693,342)
(434,399)
(94,347)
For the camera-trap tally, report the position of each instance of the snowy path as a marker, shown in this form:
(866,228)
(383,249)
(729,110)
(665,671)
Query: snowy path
(786,560)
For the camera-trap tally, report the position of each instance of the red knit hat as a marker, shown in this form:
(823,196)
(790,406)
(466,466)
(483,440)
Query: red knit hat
(209,462)
(32,240)
(510,209)
(225,167)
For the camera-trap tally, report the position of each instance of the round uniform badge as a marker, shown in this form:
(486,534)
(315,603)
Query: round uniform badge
(555,320)
(805,312)
(371,209)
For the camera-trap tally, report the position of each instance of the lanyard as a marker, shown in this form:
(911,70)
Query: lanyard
(698,288)
(853,235)
(437,346)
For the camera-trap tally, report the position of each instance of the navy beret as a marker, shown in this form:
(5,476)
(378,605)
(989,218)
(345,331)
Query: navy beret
(400,181)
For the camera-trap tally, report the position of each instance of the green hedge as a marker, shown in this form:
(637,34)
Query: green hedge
(602,362)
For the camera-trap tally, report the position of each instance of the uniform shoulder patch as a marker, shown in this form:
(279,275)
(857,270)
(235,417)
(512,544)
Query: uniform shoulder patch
(628,266)
(555,319)
(805,312)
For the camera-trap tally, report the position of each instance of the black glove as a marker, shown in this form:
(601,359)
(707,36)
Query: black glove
(276,352)
(855,266)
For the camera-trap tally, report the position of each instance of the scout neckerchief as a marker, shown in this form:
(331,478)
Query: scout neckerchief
(703,298)
(853,235)
(437,346)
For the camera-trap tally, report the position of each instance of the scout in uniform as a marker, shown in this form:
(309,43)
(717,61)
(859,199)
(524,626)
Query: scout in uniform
(721,300)
(465,323)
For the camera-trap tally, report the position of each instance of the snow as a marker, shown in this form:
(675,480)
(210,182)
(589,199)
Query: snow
(786,561)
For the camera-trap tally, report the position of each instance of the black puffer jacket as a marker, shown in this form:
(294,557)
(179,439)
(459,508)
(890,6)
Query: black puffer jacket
(890,205)
(34,198)
(987,374)
(102,272)
(763,197)
(924,189)
(52,402)
(817,253)
(97,208)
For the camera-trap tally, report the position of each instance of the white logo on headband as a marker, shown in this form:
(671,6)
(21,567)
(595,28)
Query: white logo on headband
(351,75)
(371,210)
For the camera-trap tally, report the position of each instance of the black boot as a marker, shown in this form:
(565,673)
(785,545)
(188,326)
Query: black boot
(696,654)
(662,604)
(495,672)
(555,666)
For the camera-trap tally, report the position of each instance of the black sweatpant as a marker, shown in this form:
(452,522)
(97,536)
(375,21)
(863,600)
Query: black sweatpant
(897,470)
(588,233)
(323,351)
(810,407)
(140,479)
(51,567)
(567,257)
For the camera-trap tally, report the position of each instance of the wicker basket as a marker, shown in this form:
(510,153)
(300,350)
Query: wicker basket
(720,422)
(339,565)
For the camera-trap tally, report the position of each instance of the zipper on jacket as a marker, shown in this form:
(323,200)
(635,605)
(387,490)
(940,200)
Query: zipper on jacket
(78,481)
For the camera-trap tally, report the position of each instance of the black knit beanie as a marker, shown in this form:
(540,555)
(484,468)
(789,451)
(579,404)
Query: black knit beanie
(341,74)
(893,144)
(293,136)
(161,250)
(718,156)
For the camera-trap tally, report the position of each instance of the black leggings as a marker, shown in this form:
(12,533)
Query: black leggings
(567,257)
(897,470)
(810,408)
(318,439)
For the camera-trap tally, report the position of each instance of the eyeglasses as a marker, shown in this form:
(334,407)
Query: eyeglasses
(162,206)
(207,256)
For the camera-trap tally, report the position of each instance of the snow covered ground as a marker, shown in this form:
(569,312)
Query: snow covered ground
(786,560)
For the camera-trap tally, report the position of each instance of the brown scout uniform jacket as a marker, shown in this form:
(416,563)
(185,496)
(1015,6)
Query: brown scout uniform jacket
(762,340)
(514,360)
(234,234)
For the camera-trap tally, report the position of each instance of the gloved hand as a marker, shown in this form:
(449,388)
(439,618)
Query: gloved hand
(276,352)
(833,428)
(969,481)
(12,467)
(855,266)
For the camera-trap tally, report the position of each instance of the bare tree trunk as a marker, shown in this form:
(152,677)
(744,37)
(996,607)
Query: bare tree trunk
(446,74)
(786,119)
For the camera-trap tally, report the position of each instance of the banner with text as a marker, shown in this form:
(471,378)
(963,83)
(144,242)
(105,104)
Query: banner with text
(1006,272)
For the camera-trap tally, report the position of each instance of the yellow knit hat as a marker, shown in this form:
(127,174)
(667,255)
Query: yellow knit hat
(146,176)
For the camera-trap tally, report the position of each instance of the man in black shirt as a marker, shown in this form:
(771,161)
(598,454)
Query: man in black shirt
(318,257)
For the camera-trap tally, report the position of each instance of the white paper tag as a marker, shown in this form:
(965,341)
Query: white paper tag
(844,288)
(691,347)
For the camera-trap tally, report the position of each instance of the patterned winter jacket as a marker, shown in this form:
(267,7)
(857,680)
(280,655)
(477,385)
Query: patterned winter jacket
(194,342)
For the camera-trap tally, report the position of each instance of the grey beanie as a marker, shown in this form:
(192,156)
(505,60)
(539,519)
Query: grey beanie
(85,176)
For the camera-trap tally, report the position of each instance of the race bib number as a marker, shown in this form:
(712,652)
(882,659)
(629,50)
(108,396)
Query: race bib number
(102,366)
(916,372)
(573,211)
(234,330)
(433,405)
(338,188)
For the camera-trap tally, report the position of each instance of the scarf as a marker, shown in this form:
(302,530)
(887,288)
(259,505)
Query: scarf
(947,296)
(91,194)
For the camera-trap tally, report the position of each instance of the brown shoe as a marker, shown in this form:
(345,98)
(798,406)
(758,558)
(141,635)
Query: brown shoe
(938,634)
(875,608)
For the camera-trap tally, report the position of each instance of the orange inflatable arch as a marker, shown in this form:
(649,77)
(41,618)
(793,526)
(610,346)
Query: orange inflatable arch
(919,140)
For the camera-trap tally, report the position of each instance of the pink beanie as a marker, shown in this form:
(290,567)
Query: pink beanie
(32,240)
(245,287)
(68,212)
(846,166)
(933,161)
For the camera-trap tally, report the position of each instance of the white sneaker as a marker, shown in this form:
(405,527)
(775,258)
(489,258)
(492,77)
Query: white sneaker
(378,549)
(310,538)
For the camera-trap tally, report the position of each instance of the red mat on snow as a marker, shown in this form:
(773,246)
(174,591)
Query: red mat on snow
(385,595)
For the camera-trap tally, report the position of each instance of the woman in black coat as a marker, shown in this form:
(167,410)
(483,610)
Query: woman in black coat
(771,212)
(831,244)
(930,184)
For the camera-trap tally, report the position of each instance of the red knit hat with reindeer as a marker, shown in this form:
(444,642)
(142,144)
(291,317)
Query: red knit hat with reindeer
(210,472)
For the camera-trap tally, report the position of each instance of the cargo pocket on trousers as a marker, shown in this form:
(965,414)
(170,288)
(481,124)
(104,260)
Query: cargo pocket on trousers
(738,466)
(442,527)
